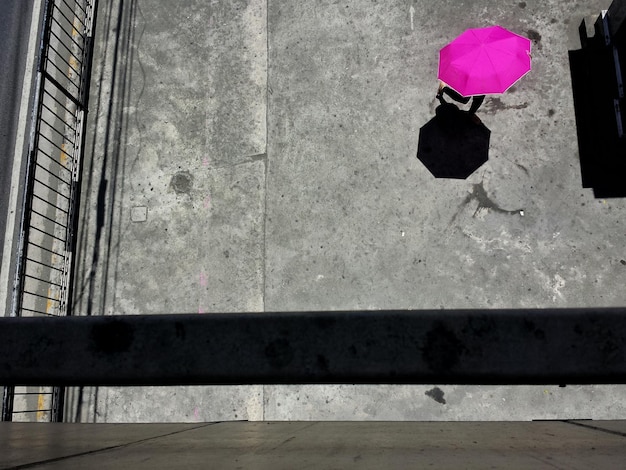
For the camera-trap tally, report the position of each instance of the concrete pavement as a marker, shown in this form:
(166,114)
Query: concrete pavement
(260,156)
(19,23)
(345,445)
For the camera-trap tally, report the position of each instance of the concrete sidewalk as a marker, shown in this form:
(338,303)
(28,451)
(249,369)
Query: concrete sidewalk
(260,156)
(346,445)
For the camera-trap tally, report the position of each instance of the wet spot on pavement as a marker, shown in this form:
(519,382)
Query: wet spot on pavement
(182,182)
(535,37)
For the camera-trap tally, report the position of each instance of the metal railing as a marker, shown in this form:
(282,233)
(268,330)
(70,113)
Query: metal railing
(43,282)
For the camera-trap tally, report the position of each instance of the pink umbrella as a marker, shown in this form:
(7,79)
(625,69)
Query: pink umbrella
(484,60)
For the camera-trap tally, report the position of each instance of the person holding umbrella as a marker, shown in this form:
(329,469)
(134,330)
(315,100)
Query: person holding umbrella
(482,61)
(477,100)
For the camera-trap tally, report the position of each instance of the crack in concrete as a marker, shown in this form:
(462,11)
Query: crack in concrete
(259,157)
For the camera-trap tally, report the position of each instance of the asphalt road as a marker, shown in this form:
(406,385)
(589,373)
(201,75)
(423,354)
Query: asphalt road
(15,18)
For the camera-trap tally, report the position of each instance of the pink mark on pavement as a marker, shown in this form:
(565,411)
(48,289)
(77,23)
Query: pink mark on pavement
(203,280)
(196,413)
(207,202)
(205,162)
(201,310)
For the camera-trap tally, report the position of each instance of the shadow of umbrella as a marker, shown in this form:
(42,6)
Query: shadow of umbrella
(453,144)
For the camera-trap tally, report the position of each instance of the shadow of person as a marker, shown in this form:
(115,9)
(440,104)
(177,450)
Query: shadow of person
(454,143)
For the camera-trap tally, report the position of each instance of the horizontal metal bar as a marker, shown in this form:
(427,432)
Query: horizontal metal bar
(32,393)
(43,168)
(69,22)
(62,72)
(50,188)
(60,118)
(551,346)
(52,33)
(41,296)
(63,59)
(33,211)
(69,36)
(51,142)
(32,227)
(40,150)
(78,5)
(39,262)
(39,312)
(61,134)
(31,411)
(61,88)
(63,106)
(40,247)
(50,203)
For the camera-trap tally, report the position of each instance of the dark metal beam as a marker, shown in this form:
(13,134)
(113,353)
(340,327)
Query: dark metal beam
(420,347)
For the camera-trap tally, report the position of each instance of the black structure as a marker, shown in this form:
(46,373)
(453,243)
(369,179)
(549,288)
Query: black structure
(597,81)
(418,347)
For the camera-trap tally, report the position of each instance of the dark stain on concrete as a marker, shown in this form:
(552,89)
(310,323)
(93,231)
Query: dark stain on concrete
(182,182)
(535,37)
(484,201)
(522,5)
(495,104)
(436,394)
(479,195)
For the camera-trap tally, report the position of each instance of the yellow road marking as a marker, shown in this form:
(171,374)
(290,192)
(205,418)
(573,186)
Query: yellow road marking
(73,63)
(63,157)
(49,302)
(75,27)
(40,406)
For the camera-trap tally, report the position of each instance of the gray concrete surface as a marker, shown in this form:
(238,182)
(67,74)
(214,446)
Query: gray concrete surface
(28,443)
(19,23)
(260,156)
(15,19)
(291,445)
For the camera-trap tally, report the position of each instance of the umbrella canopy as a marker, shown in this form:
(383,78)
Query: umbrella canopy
(484,61)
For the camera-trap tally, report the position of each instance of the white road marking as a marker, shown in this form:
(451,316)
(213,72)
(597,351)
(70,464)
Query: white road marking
(412,13)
